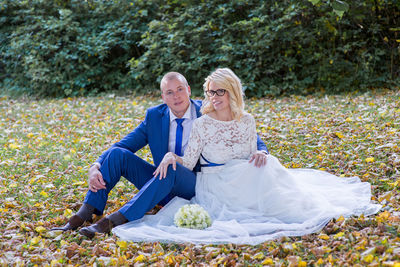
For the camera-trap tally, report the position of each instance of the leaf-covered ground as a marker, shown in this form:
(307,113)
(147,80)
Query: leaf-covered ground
(46,147)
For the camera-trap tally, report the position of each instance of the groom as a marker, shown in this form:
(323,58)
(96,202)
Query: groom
(166,127)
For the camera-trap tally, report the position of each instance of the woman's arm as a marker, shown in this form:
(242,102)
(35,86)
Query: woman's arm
(191,156)
(169,158)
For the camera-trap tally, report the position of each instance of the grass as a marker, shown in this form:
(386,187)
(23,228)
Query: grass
(48,145)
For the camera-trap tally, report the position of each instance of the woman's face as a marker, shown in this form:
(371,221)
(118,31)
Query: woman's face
(220,103)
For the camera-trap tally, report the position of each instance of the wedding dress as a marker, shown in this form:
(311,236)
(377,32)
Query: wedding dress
(249,205)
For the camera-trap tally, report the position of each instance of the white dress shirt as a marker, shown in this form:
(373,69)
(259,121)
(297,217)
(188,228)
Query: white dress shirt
(189,116)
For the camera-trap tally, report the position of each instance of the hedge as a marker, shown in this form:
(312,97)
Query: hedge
(69,48)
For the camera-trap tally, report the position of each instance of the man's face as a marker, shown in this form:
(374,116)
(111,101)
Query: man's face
(176,95)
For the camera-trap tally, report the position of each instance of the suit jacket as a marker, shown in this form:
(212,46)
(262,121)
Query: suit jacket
(148,132)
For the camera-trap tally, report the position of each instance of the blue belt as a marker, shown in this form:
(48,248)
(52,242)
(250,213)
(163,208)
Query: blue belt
(209,163)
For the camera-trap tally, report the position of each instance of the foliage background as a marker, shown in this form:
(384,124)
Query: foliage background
(72,47)
(47,146)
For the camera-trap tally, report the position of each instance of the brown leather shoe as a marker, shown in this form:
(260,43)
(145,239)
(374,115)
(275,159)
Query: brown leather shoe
(102,226)
(73,223)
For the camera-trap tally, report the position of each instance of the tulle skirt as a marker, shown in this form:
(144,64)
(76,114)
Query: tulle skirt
(250,205)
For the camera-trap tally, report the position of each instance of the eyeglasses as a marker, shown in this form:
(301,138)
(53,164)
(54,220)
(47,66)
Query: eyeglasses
(218,92)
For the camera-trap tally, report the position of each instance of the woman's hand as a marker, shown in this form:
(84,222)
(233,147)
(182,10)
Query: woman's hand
(259,158)
(162,169)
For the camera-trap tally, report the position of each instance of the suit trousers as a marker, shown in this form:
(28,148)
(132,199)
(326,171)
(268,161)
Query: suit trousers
(122,162)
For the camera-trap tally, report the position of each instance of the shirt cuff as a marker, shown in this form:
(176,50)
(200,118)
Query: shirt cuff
(97,164)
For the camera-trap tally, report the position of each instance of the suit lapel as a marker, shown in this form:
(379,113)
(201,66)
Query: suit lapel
(197,106)
(165,131)
(165,123)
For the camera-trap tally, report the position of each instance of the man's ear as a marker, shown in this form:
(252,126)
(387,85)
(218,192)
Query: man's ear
(189,91)
(162,97)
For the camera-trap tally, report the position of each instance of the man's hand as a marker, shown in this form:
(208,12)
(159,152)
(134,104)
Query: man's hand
(259,158)
(162,169)
(96,181)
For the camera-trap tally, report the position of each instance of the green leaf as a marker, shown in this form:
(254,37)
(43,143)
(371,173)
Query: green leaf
(314,2)
(339,13)
(341,6)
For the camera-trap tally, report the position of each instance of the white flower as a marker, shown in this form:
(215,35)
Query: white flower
(192,216)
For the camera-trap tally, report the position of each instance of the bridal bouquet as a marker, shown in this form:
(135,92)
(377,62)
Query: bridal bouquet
(192,216)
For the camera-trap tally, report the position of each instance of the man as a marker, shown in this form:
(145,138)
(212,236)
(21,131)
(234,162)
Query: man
(165,128)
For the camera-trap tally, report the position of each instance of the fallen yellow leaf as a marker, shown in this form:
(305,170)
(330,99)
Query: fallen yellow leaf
(23,227)
(122,244)
(383,216)
(268,261)
(35,240)
(339,134)
(259,256)
(44,194)
(140,258)
(67,213)
(40,229)
(369,258)
(370,159)
(13,146)
(169,259)
(340,219)
(323,236)
(38,204)
(338,235)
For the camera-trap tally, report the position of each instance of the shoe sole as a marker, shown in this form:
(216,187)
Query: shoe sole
(87,233)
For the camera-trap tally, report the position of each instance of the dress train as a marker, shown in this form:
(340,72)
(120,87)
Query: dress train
(250,205)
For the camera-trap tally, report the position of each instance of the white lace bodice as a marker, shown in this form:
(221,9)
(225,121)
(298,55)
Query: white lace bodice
(220,141)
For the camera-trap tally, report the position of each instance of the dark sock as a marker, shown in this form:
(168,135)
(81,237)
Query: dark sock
(117,218)
(85,212)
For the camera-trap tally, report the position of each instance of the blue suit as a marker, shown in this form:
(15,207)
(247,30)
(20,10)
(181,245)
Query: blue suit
(120,160)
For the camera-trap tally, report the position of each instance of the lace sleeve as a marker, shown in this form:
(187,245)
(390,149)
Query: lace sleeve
(194,147)
(252,133)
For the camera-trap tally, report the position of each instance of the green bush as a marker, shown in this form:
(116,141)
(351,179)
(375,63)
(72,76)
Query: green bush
(68,48)
(73,47)
(276,47)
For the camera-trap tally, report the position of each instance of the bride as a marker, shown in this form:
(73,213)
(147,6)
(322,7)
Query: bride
(248,204)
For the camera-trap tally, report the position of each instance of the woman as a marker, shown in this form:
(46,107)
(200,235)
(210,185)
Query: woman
(248,204)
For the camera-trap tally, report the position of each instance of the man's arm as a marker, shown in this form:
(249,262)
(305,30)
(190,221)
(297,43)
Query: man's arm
(260,157)
(260,145)
(134,141)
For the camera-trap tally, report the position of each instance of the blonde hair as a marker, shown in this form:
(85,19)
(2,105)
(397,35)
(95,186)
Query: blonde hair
(226,79)
(172,76)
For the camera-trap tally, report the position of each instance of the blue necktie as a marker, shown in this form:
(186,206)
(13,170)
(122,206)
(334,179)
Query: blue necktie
(178,140)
